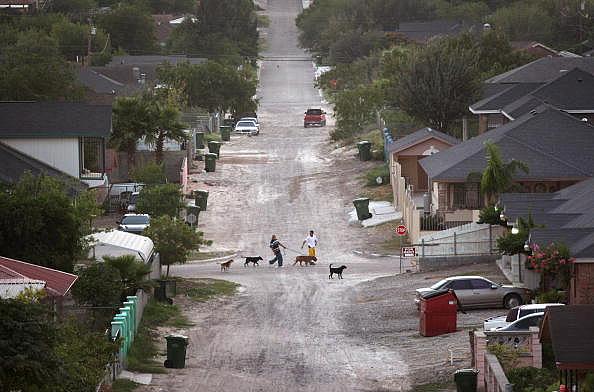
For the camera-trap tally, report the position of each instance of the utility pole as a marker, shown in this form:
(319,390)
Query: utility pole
(92,32)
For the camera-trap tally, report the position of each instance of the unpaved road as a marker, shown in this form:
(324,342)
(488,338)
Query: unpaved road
(289,329)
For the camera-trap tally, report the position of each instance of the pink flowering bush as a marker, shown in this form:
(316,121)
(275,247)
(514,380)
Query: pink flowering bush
(553,262)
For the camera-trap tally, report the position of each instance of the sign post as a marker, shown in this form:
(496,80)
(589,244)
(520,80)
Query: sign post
(407,251)
(401,230)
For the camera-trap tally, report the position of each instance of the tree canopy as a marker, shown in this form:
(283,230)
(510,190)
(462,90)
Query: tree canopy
(100,284)
(498,175)
(159,200)
(131,28)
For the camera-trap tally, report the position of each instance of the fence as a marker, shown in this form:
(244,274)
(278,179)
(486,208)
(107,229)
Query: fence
(495,378)
(404,198)
(469,239)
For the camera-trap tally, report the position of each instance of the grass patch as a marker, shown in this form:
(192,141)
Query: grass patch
(435,387)
(144,347)
(197,255)
(263,20)
(205,289)
(123,385)
(378,171)
(382,192)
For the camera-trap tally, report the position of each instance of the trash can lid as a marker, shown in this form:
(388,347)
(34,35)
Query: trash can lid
(433,294)
(361,199)
(466,371)
(176,336)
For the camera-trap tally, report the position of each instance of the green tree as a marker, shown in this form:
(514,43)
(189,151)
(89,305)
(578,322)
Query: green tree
(434,84)
(131,121)
(159,200)
(150,174)
(28,361)
(37,212)
(130,28)
(134,273)
(98,285)
(32,68)
(173,240)
(164,124)
(498,175)
(356,108)
(87,209)
(524,20)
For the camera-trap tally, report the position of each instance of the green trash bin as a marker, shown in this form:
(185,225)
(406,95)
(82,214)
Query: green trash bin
(176,351)
(466,380)
(214,147)
(160,293)
(228,122)
(225,132)
(199,140)
(210,162)
(362,207)
(201,199)
(192,214)
(364,148)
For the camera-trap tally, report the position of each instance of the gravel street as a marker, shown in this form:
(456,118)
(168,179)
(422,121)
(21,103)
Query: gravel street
(291,328)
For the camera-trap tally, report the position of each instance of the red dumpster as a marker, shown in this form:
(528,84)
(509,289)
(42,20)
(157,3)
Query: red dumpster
(438,313)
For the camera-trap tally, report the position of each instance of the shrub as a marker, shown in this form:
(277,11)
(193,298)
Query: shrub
(530,379)
(506,355)
(551,296)
(491,215)
(379,171)
(150,174)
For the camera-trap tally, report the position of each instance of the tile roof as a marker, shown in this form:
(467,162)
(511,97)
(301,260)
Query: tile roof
(425,31)
(574,90)
(154,60)
(569,329)
(58,283)
(543,70)
(419,136)
(510,94)
(54,119)
(13,164)
(554,145)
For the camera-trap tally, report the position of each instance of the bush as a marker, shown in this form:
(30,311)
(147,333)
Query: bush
(506,355)
(530,379)
(551,296)
(491,216)
(150,174)
(211,136)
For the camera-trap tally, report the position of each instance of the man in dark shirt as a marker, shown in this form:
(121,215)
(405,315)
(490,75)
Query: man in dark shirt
(275,246)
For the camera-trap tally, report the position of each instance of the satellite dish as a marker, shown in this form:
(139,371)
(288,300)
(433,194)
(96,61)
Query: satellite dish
(379,180)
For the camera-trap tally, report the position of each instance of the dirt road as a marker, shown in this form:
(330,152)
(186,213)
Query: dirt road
(289,329)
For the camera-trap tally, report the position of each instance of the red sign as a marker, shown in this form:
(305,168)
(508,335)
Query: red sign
(401,230)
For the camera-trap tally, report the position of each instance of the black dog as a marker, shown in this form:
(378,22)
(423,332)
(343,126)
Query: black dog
(253,260)
(337,271)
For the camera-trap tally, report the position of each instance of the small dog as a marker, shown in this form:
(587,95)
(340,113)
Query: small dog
(253,260)
(226,265)
(308,260)
(337,271)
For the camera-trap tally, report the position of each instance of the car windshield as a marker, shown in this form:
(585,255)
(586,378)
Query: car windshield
(135,220)
(439,284)
(246,124)
(315,112)
(249,119)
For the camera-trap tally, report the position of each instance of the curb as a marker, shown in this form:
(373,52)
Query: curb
(215,259)
(370,254)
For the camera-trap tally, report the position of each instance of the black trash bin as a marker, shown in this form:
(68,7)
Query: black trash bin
(176,351)
(364,148)
(210,162)
(362,206)
(225,133)
(466,380)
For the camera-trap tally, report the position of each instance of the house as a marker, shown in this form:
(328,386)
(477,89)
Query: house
(20,6)
(569,331)
(423,32)
(163,28)
(408,150)
(557,147)
(126,75)
(538,49)
(510,94)
(118,243)
(16,276)
(13,164)
(69,137)
(566,216)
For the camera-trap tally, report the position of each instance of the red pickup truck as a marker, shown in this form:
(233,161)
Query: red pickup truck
(314,117)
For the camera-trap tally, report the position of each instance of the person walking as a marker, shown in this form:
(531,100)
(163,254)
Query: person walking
(312,241)
(275,245)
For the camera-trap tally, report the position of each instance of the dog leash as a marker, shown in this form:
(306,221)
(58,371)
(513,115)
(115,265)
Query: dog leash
(296,251)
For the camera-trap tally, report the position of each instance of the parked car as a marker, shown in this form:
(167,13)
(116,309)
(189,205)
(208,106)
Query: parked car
(479,292)
(314,117)
(514,314)
(134,223)
(524,323)
(248,127)
(254,119)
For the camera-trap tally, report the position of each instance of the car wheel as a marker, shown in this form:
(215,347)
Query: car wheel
(304,125)
(511,301)
(323,123)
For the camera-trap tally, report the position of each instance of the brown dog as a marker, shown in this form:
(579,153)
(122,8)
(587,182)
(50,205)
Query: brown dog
(308,260)
(225,266)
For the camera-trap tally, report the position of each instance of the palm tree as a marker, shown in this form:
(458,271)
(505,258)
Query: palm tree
(165,124)
(498,175)
(131,119)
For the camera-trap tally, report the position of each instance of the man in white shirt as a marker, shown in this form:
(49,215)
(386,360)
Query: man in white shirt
(312,241)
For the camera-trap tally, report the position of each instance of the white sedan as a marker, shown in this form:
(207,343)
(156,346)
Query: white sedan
(245,126)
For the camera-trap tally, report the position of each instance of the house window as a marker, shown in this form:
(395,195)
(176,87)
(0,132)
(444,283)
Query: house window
(466,196)
(92,157)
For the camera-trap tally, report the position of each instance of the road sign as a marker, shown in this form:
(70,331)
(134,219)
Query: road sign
(191,219)
(408,251)
(401,230)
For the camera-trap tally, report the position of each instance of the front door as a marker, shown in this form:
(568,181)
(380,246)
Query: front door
(421,178)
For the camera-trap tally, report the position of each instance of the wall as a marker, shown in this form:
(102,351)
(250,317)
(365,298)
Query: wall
(183,175)
(582,284)
(61,153)
(469,239)
(118,164)
(437,263)
(403,200)
(420,148)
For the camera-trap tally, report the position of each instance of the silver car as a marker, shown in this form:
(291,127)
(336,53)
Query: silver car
(134,223)
(479,292)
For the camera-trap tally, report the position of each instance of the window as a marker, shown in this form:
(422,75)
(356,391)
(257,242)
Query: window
(463,284)
(479,284)
(92,154)
(494,121)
